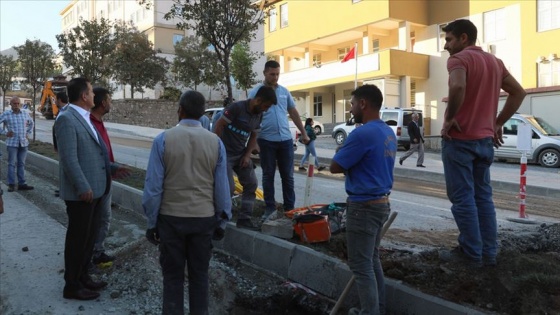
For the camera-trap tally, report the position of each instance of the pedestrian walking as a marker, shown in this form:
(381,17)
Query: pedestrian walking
(416,142)
(310,147)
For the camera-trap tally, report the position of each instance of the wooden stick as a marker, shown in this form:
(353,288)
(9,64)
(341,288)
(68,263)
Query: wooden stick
(384,229)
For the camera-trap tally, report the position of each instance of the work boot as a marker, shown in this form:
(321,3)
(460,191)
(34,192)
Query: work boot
(246,224)
(11,188)
(103,260)
(458,256)
(25,187)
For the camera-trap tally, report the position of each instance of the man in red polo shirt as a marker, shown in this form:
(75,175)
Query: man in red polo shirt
(470,130)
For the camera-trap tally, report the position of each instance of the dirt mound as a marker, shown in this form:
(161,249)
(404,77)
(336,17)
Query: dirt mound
(525,281)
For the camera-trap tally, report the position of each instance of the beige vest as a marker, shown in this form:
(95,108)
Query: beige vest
(190,158)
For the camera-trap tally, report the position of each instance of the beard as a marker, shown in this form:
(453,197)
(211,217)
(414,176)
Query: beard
(358,118)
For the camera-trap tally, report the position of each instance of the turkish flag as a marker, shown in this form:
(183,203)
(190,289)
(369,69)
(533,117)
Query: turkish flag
(350,55)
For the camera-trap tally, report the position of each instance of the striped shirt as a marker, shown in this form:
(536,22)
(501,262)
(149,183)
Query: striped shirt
(21,124)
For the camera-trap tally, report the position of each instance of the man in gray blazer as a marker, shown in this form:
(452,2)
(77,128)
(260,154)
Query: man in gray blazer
(85,176)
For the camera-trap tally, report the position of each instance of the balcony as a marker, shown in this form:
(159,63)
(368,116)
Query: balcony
(390,62)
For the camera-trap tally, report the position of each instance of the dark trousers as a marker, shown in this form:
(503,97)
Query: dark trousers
(185,240)
(83,224)
(279,154)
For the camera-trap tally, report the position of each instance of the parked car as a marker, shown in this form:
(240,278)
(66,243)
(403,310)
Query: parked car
(210,112)
(545,141)
(317,127)
(397,118)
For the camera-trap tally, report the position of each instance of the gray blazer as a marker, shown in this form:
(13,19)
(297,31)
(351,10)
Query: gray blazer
(83,160)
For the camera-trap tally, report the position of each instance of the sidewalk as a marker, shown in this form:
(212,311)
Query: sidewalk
(505,176)
(32,261)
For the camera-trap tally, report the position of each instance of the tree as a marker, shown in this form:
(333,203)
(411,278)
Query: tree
(135,62)
(36,66)
(7,72)
(195,64)
(221,23)
(88,49)
(242,61)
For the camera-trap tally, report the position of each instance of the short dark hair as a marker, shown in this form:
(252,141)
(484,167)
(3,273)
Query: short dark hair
(62,97)
(192,104)
(308,121)
(271,64)
(462,26)
(267,94)
(76,87)
(370,93)
(100,96)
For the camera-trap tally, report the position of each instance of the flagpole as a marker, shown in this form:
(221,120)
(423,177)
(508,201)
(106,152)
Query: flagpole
(356,74)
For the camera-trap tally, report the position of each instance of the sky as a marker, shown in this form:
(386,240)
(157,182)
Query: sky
(30,19)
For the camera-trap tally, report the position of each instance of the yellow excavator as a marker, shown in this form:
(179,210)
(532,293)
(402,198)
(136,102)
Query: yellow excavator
(48,106)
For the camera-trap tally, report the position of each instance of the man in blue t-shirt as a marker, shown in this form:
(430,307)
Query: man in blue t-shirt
(238,128)
(367,158)
(275,140)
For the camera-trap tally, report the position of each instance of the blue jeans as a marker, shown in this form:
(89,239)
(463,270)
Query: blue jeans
(19,153)
(105,223)
(281,153)
(309,149)
(363,235)
(466,164)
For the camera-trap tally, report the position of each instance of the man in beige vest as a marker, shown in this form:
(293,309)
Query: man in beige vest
(186,197)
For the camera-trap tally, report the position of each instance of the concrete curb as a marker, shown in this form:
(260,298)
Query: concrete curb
(319,272)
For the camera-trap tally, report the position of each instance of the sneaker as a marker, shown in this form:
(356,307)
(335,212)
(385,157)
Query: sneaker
(354,311)
(246,224)
(321,168)
(457,255)
(301,168)
(400,162)
(25,187)
(420,165)
(11,188)
(103,260)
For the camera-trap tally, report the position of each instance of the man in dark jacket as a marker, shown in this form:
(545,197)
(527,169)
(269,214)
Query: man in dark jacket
(416,142)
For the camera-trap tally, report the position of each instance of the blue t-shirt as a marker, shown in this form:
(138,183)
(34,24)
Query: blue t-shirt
(368,156)
(275,126)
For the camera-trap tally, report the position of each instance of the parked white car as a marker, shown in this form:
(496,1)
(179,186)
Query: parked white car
(545,141)
(397,118)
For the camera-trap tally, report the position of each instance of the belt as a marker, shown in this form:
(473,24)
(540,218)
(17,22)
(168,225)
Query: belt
(384,199)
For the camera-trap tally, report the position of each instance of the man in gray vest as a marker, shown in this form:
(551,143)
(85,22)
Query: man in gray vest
(186,196)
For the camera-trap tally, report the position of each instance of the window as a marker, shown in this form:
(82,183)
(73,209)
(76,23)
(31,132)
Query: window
(548,15)
(177,38)
(375,45)
(510,127)
(342,52)
(548,72)
(318,105)
(272,20)
(441,38)
(494,25)
(69,18)
(412,93)
(317,60)
(284,15)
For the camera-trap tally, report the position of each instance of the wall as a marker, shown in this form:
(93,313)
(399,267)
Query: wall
(160,114)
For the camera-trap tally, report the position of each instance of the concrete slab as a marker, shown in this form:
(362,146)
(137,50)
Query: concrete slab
(240,242)
(281,228)
(278,254)
(314,270)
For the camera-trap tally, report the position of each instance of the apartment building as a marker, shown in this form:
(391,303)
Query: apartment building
(400,49)
(161,32)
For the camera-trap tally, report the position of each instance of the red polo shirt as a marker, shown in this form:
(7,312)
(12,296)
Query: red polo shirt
(98,124)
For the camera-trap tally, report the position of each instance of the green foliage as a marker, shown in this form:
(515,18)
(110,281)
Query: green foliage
(242,61)
(88,49)
(36,65)
(221,23)
(7,72)
(170,93)
(135,62)
(195,64)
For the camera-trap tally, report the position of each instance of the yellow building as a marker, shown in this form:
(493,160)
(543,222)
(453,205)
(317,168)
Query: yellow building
(400,49)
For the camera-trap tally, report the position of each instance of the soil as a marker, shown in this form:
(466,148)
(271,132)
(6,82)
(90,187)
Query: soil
(525,281)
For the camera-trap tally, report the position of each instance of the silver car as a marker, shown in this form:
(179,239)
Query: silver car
(545,141)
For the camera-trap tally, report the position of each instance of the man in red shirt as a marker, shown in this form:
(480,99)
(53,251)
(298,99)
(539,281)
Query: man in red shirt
(102,102)
(470,130)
